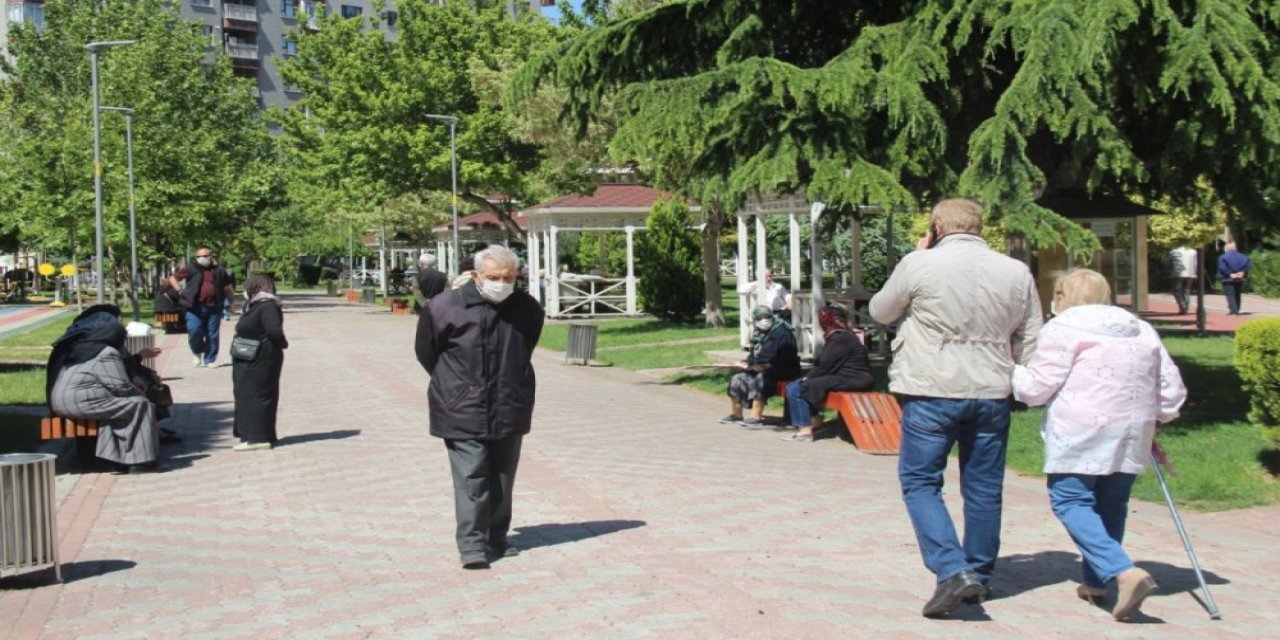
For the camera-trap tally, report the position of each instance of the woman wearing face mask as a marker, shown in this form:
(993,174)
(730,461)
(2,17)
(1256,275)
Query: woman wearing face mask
(257,381)
(773,357)
(842,366)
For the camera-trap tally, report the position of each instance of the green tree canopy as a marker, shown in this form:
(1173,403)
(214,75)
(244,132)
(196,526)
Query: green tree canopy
(362,135)
(898,103)
(198,142)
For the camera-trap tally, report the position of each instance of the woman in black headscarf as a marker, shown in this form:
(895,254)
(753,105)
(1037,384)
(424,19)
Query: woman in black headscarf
(89,377)
(257,381)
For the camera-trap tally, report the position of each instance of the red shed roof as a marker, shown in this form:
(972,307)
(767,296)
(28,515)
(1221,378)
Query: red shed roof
(480,220)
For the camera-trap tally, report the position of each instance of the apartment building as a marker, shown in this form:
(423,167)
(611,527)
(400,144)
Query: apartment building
(259,35)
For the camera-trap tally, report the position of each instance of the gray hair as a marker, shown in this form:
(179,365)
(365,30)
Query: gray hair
(498,255)
(426,261)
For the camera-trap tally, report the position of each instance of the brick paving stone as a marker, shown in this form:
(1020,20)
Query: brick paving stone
(642,518)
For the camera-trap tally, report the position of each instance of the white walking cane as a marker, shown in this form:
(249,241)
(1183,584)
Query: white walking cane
(1158,457)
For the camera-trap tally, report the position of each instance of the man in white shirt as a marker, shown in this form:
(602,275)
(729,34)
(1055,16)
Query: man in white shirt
(776,296)
(1183,267)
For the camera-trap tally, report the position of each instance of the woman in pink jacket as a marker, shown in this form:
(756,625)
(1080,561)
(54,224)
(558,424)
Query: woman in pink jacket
(1107,381)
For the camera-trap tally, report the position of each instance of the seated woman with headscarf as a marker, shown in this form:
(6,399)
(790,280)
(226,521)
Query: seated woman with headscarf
(90,376)
(773,357)
(843,365)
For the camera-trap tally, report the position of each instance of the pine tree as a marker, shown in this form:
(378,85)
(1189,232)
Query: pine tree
(898,103)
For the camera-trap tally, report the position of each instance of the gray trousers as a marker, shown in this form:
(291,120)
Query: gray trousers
(484,472)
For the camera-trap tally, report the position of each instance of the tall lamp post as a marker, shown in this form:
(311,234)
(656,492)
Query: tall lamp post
(453,160)
(95,48)
(133,218)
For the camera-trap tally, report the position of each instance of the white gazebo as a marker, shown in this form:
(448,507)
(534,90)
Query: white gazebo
(613,207)
(804,304)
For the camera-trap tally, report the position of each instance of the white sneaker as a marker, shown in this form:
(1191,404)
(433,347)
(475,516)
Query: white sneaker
(197,360)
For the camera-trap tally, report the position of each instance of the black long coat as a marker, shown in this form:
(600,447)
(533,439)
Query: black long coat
(479,357)
(843,365)
(256,383)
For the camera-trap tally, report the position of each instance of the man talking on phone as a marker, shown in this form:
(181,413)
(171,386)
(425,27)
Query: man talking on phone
(968,314)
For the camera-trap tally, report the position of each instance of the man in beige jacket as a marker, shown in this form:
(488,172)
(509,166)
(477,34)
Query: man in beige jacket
(968,315)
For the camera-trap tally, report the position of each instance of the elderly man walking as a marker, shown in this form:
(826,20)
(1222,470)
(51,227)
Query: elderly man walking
(969,314)
(477,343)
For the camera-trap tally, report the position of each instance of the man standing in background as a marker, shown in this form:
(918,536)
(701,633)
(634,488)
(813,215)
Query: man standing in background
(201,297)
(1233,269)
(1184,267)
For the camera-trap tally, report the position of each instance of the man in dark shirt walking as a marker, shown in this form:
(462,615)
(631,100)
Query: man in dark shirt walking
(1233,268)
(206,286)
(476,342)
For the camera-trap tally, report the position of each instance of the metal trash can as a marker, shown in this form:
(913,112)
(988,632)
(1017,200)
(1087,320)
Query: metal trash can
(331,288)
(135,344)
(368,296)
(28,514)
(582,343)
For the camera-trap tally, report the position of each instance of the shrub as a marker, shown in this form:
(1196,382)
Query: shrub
(1258,361)
(1264,277)
(670,260)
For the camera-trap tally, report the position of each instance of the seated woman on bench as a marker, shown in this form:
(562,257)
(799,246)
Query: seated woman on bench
(843,365)
(89,378)
(773,357)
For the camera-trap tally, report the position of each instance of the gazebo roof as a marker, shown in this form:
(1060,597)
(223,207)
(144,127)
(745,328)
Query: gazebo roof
(481,220)
(608,198)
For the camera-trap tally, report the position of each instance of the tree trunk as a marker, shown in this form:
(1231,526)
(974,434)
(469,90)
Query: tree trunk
(711,264)
(503,213)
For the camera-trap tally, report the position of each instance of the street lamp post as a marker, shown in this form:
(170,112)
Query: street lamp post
(453,160)
(94,48)
(133,218)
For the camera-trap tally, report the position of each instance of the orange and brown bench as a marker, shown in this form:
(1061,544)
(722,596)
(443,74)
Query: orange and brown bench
(57,427)
(873,418)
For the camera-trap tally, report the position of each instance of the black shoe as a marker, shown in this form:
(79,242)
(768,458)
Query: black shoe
(169,436)
(505,551)
(982,596)
(150,467)
(951,592)
(474,561)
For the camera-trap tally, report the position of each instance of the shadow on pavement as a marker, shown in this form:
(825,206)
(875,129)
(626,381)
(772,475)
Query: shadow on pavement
(546,535)
(315,437)
(1026,572)
(71,572)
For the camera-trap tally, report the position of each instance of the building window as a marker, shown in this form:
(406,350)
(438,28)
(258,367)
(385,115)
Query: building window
(27,12)
(202,3)
(206,30)
(289,47)
(290,9)
(349,11)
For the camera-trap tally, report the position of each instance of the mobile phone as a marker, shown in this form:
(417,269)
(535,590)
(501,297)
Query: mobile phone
(933,237)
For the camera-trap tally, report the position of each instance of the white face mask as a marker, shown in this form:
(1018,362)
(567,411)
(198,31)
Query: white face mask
(1053,307)
(764,324)
(204,261)
(496,291)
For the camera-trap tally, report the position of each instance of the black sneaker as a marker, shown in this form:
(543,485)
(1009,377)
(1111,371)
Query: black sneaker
(473,561)
(951,592)
(731,419)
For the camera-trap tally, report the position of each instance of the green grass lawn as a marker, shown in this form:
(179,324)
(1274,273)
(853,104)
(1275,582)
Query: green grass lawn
(1222,460)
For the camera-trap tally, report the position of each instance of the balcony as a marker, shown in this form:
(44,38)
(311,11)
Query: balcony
(240,16)
(243,54)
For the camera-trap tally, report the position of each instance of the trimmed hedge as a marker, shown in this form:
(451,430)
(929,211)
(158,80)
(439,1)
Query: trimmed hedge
(1264,277)
(1257,356)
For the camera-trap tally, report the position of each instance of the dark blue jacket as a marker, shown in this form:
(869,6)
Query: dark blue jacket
(1232,262)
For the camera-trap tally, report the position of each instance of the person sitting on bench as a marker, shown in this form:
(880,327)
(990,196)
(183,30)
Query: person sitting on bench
(88,377)
(843,365)
(773,357)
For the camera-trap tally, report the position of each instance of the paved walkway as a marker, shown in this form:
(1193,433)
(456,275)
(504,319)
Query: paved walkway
(16,318)
(642,517)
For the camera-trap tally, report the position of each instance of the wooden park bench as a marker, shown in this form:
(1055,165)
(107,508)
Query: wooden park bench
(170,322)
(57,427)
(873,418)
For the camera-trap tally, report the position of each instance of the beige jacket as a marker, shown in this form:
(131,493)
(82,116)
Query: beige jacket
(969,314)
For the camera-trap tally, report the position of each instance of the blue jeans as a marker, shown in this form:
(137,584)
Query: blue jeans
(1093,509)
(798,408)
(1232,289)
(202,331)
(930,427)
